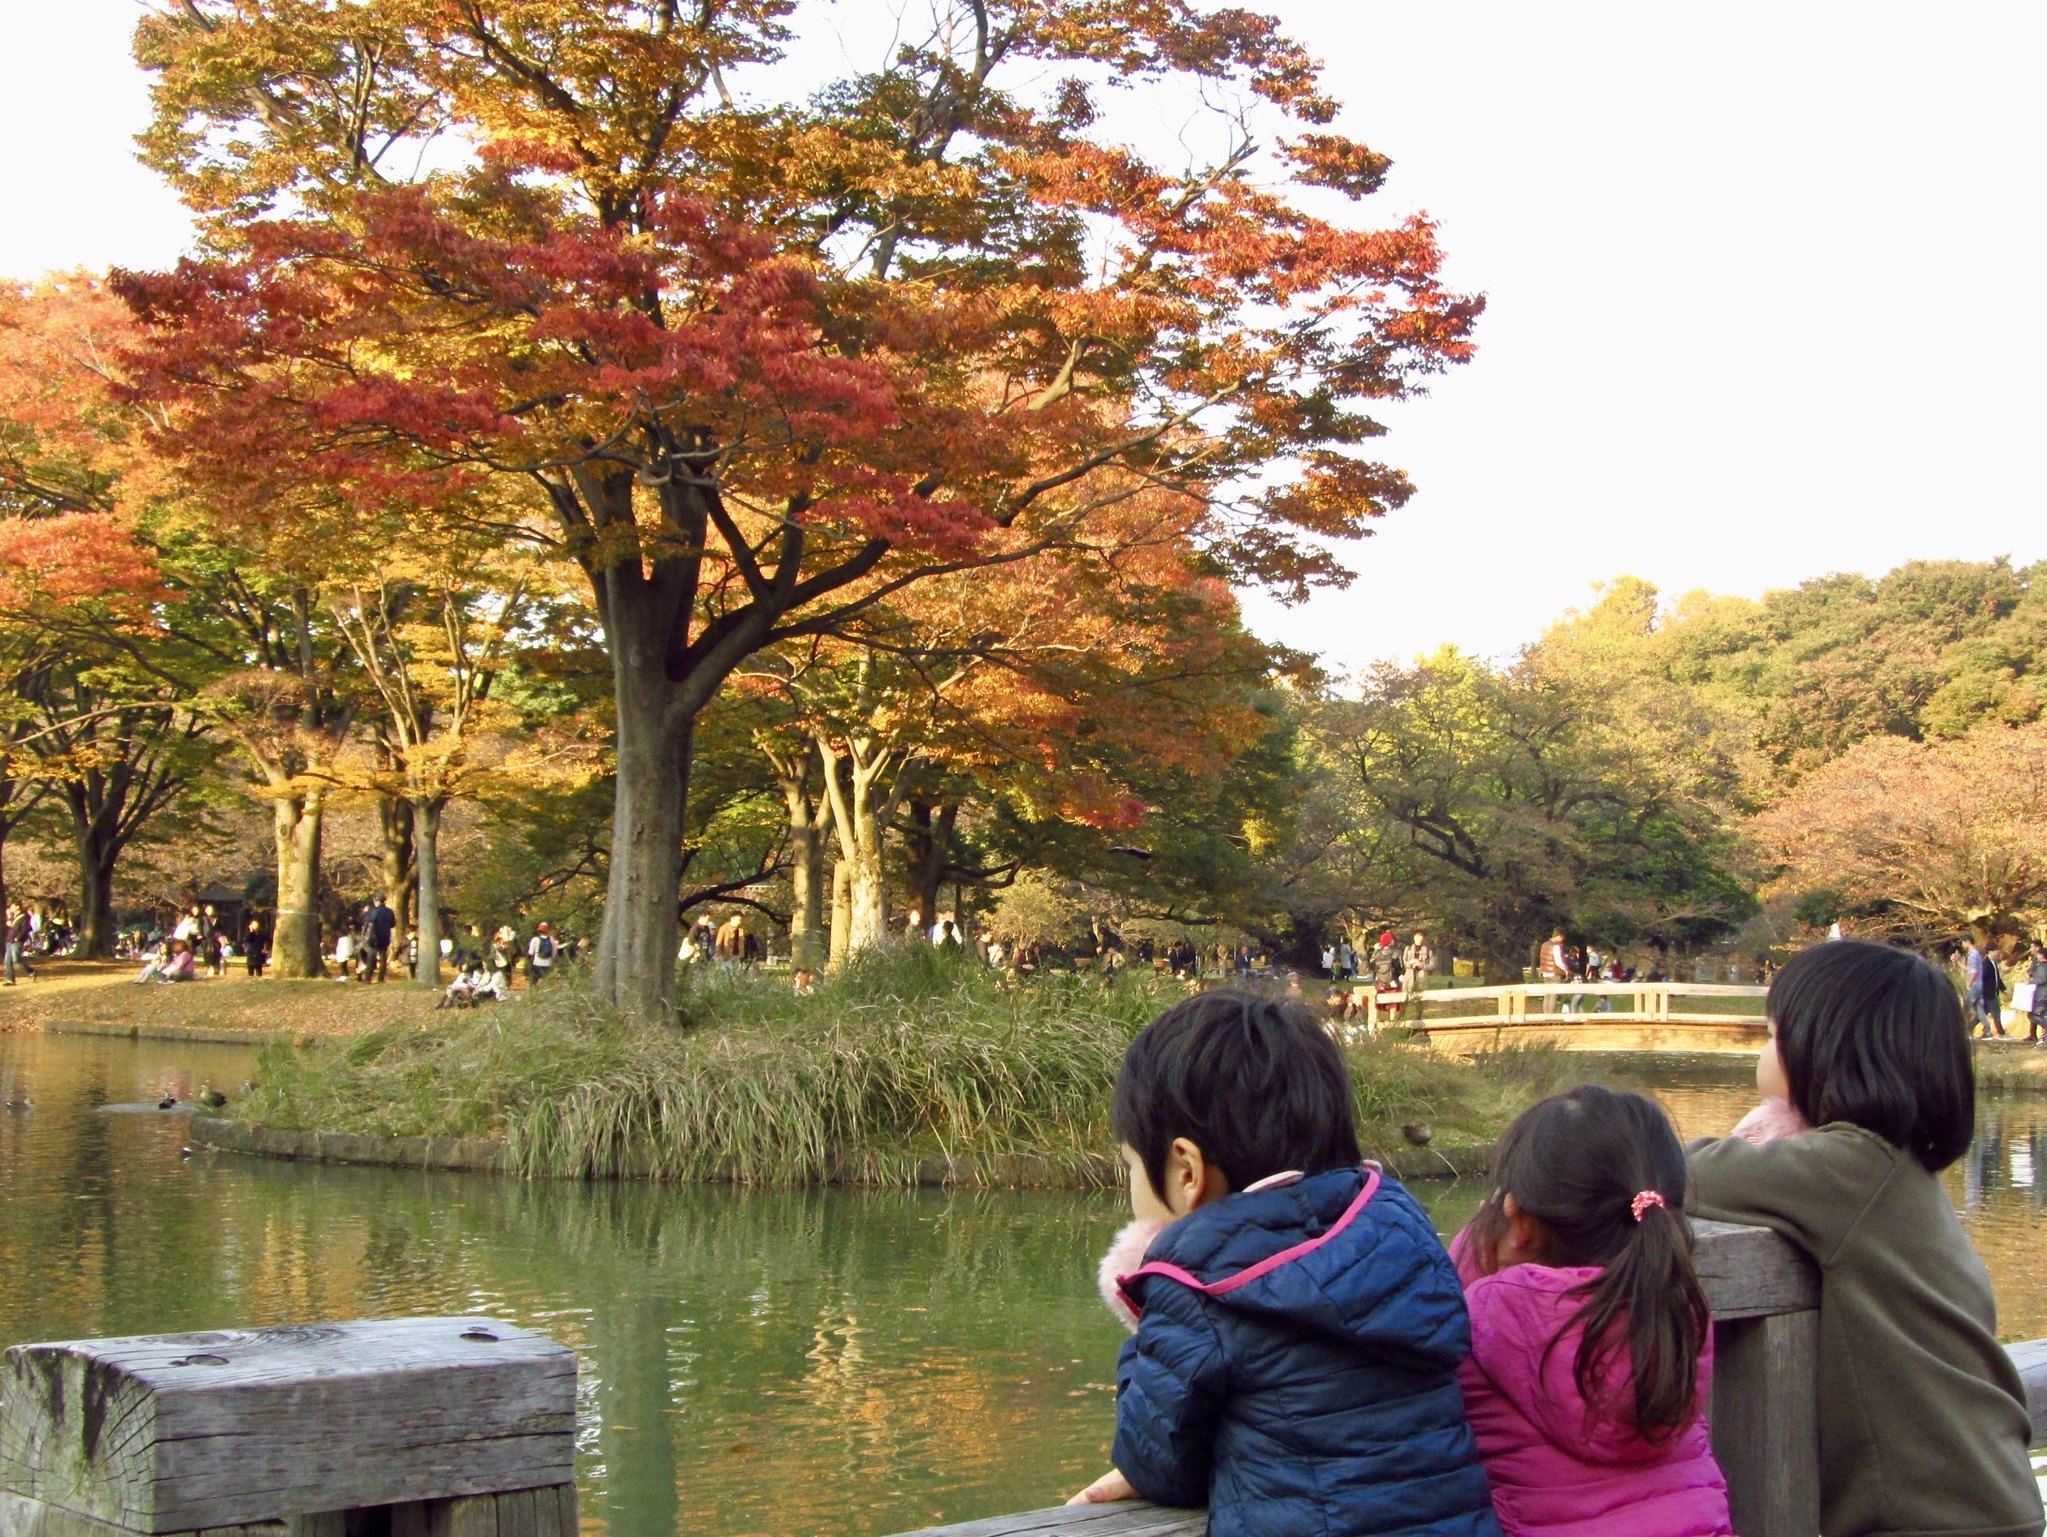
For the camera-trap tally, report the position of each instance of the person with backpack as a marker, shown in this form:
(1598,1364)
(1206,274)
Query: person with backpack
(539,955)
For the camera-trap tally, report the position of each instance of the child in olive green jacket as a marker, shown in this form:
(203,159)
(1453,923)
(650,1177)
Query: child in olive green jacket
(1923,1424)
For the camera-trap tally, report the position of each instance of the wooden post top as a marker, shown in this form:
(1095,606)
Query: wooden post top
(179,1432)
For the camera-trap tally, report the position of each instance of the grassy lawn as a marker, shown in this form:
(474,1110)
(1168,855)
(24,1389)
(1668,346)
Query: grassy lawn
(103,993)
(902,1060)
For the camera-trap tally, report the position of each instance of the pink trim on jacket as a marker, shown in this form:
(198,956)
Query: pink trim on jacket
(1251,1273)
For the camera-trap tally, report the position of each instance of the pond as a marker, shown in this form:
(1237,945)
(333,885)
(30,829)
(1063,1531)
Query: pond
(836,1362)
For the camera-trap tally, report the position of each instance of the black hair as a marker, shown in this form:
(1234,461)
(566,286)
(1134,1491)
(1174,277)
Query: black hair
(1874,1035)
(1258,1086)
(1580,1163)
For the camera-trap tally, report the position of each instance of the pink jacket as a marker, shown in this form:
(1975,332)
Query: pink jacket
(1558,1470)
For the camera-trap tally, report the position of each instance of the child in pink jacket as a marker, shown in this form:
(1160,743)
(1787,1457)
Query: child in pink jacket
(1591,1345)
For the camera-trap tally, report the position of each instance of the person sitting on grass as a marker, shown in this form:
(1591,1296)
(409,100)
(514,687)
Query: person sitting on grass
(1298,1325)
(461,993)
(182,966)
(159,957)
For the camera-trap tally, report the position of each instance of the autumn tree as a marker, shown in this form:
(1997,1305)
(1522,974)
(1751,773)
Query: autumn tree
(761,361)
(101,713)
(1922,839)
(430,631)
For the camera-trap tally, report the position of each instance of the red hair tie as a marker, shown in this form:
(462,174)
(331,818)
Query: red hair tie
(1644,1201)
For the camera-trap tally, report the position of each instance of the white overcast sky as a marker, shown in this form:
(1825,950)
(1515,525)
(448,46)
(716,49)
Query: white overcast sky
(1764,281)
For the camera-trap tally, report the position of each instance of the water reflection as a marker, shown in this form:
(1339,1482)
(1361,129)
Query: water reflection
(834,1362)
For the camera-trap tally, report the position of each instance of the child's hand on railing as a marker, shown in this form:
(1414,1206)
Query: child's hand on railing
(1772,1119)
(1112,1485)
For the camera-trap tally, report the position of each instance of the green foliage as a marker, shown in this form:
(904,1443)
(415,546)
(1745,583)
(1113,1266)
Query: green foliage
(1500,804)
(907,1057)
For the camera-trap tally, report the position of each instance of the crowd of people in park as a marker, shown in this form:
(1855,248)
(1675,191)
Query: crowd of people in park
(1982,970)
(1304,1354)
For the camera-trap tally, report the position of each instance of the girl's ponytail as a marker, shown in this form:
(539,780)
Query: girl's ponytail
(1648,1303)
(1605,1175)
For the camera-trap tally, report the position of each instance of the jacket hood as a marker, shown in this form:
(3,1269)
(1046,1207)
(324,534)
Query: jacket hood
(1515,1314)
(1347,1253)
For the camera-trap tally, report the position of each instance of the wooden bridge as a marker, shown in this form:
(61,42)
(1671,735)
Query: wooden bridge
(1582,1016)
(465,1427)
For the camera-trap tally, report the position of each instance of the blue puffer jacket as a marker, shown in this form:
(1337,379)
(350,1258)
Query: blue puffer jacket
(1295,1367)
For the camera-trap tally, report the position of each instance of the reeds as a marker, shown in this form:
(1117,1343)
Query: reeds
(909,1068)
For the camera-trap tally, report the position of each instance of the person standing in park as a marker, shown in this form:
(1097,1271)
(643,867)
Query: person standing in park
(2036,1004)
(731,943)
(1417,960)
(255,948)
(1554,962)
(18,930)
(1983,990)
(379,924)
(539,955)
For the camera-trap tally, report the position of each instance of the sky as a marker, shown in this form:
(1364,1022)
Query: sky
(1763,286)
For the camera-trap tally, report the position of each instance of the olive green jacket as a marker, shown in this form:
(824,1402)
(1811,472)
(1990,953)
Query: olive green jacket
(1923,1425)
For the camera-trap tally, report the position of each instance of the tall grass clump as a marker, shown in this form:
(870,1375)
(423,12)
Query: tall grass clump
(909,1066)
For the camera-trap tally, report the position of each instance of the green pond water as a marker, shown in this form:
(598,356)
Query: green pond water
(832,1362)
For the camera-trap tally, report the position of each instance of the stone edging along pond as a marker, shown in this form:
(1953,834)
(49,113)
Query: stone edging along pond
(486,1155)
(199,1033)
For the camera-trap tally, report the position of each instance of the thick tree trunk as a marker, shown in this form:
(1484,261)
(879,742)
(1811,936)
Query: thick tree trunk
(842,913)
(96,903)
(426,828)
(806,866)
(861,859)
(636,962)
(869,880)
(295,946)
(98,849)
(930,850)
(396,820)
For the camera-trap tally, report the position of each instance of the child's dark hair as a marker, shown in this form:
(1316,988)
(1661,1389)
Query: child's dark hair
(1874,1035)
(1581,1163)
(1258,1086)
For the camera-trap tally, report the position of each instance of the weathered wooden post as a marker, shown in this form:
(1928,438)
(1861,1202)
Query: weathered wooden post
(1765,1297)
(411,1427)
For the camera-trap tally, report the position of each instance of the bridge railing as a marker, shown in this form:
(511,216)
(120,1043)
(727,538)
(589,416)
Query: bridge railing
(1475,1010)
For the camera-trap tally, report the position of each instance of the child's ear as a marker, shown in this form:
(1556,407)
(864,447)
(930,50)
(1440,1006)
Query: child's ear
(1194,1179)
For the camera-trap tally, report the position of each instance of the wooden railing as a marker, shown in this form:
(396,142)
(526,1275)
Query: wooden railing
(1764,1414)
(464,1427)
(1523,1004)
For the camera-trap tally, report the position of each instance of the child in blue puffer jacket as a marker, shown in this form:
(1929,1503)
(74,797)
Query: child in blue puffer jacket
(1299,1325)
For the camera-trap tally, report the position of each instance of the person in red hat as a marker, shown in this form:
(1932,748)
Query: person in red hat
(539,955)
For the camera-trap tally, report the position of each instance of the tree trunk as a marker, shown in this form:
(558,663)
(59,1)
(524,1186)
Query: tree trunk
(295,946)
(95,902)
(869,886)
(396,820)
(98,848)
(425,819)
(861,865)
(636,962)
(930,849)
(806,864)
(842,913)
